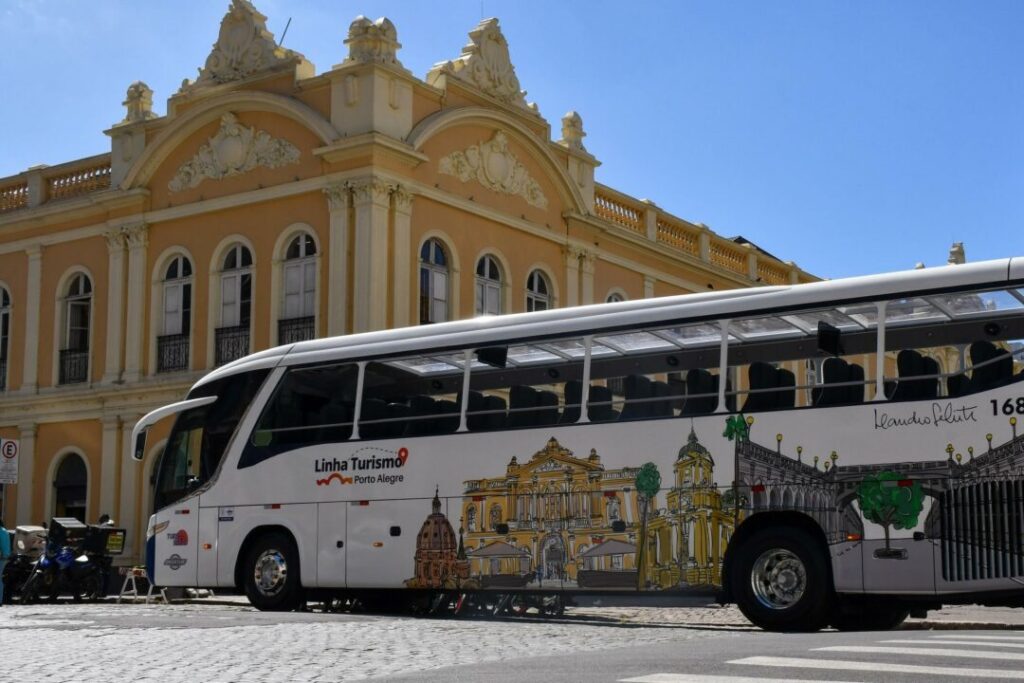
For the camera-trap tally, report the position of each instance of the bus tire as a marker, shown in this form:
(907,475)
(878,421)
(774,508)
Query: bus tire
(780,580)
(270,574)
(869,615)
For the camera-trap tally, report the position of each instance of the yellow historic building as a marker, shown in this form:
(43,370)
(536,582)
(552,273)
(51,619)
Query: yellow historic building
(272,203)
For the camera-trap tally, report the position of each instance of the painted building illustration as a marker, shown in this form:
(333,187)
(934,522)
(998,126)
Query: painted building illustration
(440,558)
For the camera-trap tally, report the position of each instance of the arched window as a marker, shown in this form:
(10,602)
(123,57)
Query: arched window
(74,354)
(488,286)
(5,333)
(538,292)
(434,276)
(232,338)
(615,297)
(176,323)
(297,321)
(70,487)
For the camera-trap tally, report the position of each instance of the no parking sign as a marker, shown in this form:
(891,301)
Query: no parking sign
(8,461)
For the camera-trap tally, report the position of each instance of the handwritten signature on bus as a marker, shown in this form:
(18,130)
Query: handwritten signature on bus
(941,413)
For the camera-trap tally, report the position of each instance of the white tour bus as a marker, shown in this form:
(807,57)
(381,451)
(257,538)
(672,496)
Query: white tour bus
(839,452)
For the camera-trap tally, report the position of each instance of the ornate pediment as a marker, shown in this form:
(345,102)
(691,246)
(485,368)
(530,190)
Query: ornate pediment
(486,65)
(244,47)
(493,165)
(234,150)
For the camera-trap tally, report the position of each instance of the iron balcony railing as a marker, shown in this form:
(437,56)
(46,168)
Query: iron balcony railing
(171,352)
(74,366)
(296,330)
(232,343)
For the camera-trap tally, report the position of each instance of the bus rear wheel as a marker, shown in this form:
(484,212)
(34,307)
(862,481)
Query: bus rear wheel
(869,615)
(780,581)
(271,574)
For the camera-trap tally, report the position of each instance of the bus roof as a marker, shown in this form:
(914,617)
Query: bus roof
(491,330)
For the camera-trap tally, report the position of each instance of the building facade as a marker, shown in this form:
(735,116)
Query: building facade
(272,203)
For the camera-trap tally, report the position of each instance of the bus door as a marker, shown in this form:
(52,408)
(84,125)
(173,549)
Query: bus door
(381,541)
(331,548)
(176,543)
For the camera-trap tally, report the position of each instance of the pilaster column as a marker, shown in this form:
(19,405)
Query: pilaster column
(572,275)
(338,202)
(137,238)
(26,465)
(587,285)
(401,252)
(115,305)
(108,465)
(127,510)
(648,286)
(370,288)
(33,301)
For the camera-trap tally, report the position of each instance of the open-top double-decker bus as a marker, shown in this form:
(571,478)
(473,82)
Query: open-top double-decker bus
(838,452)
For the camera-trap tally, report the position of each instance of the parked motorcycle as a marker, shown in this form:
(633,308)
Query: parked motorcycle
(76,561)
(28,546)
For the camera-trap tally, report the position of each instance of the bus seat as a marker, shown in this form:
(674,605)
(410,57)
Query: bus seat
(958,385)
(855,392)
(761,376)
(601,413)
(996,366)
(663,406)
(637,390)
(573,396)
(447,420)
(523,401)
(335,420)
(833,371)
(700,381)
(497,414)
(475,407)
(909,365)
(677,389)
(547,408)
(373,409)
(929,387)
(421,411)
(787,389)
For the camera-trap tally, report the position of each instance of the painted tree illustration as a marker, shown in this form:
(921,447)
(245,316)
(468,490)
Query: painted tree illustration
(737,430)
(890,501)
(648,482)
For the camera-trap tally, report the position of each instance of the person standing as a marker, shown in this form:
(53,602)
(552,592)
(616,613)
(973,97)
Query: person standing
(5,553)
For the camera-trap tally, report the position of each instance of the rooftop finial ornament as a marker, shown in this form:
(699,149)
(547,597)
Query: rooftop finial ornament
(572,131)
(372,42)
(139,103)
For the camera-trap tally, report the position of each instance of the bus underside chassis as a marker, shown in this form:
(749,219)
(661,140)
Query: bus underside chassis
(450,603)
(780,580)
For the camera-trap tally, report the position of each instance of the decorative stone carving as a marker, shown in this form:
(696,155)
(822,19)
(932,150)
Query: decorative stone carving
(115,240)
(138,103)
(372,42)
(234,150)
(572,131)
(485,64)
(244,47)
(494,166)
(402,197)
(957,256)
(337,196)
(136,236)
(370,189)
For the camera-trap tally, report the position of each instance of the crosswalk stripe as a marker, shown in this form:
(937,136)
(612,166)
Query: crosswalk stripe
(946,641)
(700,678)
(879,667)
(929,652)
(963,636)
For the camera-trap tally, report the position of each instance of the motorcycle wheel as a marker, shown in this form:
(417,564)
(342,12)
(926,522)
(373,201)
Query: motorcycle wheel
(88,588)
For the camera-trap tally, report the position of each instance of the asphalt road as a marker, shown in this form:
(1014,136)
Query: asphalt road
(233,642)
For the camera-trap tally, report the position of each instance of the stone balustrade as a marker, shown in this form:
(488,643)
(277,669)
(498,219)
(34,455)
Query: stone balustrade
(13,196)
(43,184)
(645,218)
(79,181)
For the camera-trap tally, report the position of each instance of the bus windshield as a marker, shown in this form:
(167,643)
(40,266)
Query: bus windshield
(201,435)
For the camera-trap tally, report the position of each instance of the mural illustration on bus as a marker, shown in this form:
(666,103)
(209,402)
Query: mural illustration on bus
(558,521)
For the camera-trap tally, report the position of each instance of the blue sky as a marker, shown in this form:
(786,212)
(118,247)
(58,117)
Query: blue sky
(850,137)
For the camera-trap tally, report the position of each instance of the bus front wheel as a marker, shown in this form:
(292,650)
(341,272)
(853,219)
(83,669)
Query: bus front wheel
(271,573)
(780,581)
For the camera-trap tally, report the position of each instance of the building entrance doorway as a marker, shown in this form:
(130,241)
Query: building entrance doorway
(70,488)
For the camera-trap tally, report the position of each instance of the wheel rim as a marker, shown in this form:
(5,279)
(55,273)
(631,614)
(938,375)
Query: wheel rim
(778,578)
(270,572)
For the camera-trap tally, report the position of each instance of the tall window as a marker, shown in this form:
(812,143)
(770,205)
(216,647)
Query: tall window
(615,297)
(433,283)
(538,292)
(74,354)
(488,287)
(5,333)
(173,343)
(232,336)
(298,314)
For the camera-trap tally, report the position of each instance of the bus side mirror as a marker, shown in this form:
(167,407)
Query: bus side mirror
(140,446)
(828,339)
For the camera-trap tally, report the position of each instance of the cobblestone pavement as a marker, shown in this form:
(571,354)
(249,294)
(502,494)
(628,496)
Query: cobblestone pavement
(192,642)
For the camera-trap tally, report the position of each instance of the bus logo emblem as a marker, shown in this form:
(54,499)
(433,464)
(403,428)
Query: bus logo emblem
(175,562)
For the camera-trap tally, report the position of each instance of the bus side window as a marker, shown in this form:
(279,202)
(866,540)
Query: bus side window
(414,396)
(311,405)
(533,385)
